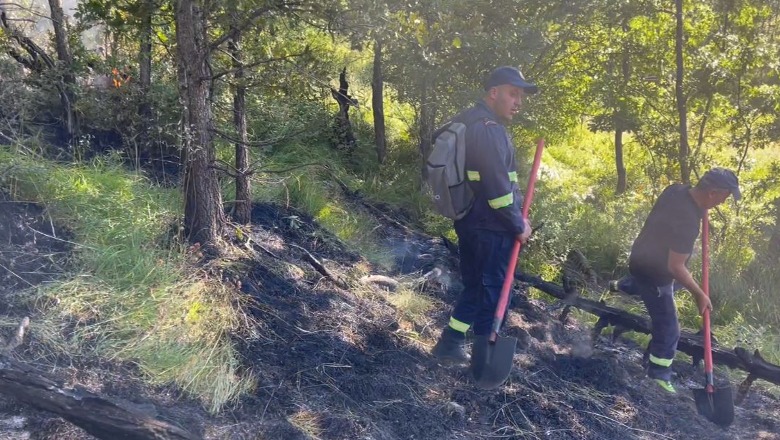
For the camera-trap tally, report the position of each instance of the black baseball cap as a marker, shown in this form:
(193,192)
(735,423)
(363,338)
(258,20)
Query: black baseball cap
(722,178)
(509,75)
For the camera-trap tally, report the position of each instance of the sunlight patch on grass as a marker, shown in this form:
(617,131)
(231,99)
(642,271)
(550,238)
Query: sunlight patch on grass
(307,422)
(137,296)
(316,194)
(177,333)
(411,305)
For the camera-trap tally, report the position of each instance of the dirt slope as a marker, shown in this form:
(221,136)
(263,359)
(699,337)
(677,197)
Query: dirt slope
(341,364)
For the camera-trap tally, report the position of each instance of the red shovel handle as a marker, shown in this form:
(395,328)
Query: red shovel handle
(705,286)
(510,270)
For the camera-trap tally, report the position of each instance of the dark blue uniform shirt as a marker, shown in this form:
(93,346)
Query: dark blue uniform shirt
(673,224)
(492,173)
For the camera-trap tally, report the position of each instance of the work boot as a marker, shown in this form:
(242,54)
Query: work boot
(450,347)
(666,386)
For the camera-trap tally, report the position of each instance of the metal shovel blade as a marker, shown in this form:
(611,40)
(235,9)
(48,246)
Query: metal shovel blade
(717,406)
(491,362)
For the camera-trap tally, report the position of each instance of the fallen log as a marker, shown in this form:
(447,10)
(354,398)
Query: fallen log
(101,417)
(690,343)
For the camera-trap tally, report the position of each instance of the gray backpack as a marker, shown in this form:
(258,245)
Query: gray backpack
(446,172)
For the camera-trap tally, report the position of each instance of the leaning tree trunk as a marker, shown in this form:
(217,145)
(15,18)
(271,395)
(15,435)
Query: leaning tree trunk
(377,102)
(203,215)
(685,172)
(243,207)
(66,89)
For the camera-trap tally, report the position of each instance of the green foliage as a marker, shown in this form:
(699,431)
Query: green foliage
(600,66)
(133,298)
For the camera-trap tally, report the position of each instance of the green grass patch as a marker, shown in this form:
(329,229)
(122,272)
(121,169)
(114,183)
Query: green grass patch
(308,183)
(411,305)
(132,297)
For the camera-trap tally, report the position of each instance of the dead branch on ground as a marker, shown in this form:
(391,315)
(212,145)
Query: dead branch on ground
(690,343)
(99,416)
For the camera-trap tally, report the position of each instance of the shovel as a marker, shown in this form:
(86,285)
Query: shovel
(716,404)
(492,355)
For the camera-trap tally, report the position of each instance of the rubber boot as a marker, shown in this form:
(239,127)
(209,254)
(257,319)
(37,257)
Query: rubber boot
(450,347)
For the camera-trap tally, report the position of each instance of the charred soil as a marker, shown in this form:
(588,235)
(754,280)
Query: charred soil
(338,363)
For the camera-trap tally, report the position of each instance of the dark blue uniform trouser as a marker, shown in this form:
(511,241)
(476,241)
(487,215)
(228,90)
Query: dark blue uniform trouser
(659,302)
(484,256)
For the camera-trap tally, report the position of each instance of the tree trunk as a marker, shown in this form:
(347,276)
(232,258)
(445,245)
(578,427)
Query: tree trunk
(203,215)
(345,137)
(37,59)
(427,118)
(67,96)
(625,68)
(685,173)
(621,168)
(145,72)
(243,206)
(377,102)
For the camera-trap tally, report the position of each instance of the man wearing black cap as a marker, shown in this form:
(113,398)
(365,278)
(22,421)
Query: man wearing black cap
(487,233)
(658,261)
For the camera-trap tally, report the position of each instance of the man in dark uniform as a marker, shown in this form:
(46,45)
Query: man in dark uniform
(487,233)
(658,261)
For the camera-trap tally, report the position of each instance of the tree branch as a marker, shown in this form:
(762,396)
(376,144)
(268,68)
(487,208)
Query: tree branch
(690,343)
(249,21)
(216,76)
(260,144)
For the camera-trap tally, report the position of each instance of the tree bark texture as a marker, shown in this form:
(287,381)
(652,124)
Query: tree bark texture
(203,215)
(98,416)
(685,173)
(427,118)
(36,59)
(619,165)
(377,102)
(67,88)
(625,68)
(345,137)
(145,71)
(243,206)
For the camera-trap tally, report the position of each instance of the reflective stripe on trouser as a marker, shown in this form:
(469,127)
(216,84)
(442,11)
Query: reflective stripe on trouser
(484,256)
(659,302)
(459,325)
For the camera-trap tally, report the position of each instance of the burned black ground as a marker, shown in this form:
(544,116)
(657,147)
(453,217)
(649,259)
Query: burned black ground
(338,363)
